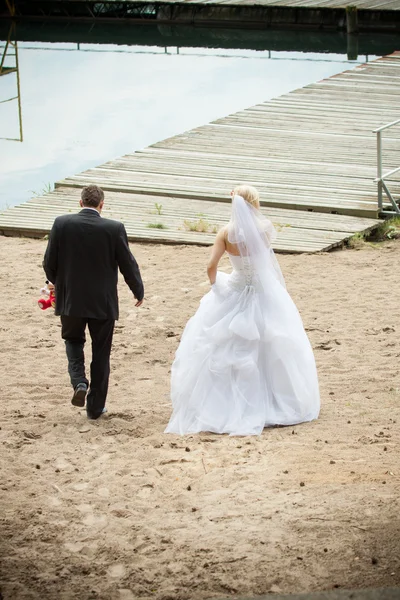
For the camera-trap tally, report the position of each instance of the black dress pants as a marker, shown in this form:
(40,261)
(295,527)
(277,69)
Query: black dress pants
(101,333)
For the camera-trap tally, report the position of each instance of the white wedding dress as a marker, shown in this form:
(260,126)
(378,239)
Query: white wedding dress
(244,361)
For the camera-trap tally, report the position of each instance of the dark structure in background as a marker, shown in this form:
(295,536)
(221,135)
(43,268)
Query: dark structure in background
(348,19)
(152,34)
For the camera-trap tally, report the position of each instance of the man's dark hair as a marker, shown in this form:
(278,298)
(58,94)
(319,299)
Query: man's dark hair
(92,195)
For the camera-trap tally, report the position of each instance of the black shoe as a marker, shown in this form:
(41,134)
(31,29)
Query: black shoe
(93,417)
(79,397)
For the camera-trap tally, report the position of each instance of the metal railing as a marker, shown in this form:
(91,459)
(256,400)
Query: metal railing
(380,179)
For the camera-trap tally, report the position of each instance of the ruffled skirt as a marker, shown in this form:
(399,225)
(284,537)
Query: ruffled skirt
(244,363)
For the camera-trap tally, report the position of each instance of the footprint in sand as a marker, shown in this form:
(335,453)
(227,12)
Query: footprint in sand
(54,501)
(116,571)
(79,487)
(126,595)
(84,508)
(103,458)
(95,520)
(73,546)
(62,464)
(78,547)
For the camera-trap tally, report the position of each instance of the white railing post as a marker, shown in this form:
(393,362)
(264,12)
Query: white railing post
(382,187)
(379,172)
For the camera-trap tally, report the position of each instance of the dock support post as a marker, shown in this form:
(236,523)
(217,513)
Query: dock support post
(351,19)
(352,47)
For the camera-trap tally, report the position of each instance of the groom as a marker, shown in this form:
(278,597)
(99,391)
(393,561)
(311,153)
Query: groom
(82,259)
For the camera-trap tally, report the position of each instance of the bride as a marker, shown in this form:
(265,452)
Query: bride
(244,361)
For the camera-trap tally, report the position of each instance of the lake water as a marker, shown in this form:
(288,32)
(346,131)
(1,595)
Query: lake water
(83,105)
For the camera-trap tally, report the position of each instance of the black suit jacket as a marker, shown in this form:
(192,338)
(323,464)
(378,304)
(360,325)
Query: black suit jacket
(82,259)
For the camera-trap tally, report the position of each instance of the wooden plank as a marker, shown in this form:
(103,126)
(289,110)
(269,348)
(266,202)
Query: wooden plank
(290,199)
(285,244)
(297,232)
(66,200)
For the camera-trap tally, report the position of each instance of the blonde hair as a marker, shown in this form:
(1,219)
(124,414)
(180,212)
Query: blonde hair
(249,193)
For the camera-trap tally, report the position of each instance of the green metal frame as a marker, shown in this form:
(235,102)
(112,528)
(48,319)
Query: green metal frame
(9,47)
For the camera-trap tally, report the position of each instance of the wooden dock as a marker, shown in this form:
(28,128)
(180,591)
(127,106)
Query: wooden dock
(311,153)
(23,6)
(183,221)
(317,15)
(325,4)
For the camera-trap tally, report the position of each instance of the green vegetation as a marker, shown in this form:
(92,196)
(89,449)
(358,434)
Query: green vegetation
(156,226)
(201,226)
(387,230)
(45,190)
(357,241)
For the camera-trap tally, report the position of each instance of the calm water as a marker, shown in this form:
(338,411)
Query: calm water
(83,106)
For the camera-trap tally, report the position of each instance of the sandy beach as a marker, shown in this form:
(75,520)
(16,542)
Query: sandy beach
(116,510)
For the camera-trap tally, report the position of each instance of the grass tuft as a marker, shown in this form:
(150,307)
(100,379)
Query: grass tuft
(388,230)
(201,226)
(357,241)
(156,226)
(47,188)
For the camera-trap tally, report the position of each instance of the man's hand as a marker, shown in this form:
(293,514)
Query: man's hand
(139,303)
